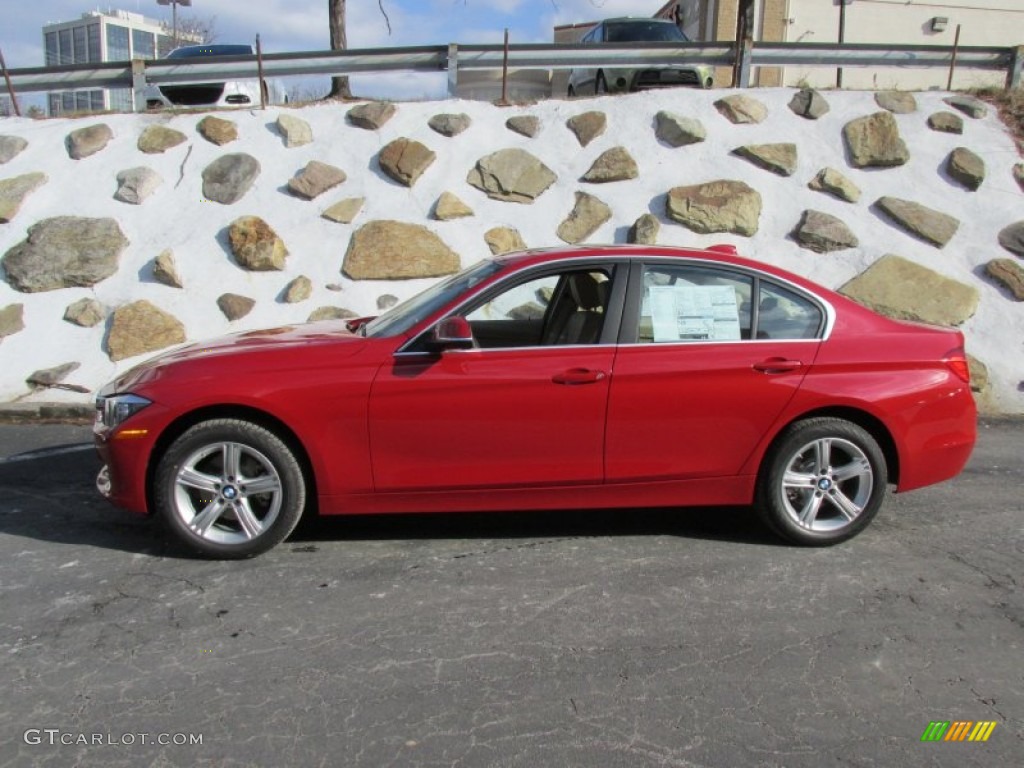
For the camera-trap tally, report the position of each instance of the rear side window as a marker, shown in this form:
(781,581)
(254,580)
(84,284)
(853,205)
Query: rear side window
(700,303)
(783,314)
(687,303)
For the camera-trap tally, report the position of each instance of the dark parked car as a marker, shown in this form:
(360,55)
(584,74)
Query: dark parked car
(598,80)
(616,376)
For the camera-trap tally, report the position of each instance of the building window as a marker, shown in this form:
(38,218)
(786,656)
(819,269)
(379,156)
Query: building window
(54,104)
(121,99)
(66,54)
(96,101)
(117,43)
(67,102)
(142,45)
(81,51)
(164,44)
(52,51)
(94,43)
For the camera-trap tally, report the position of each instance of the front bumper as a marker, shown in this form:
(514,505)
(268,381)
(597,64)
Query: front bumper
(229,94)
(658,77)
(125,452)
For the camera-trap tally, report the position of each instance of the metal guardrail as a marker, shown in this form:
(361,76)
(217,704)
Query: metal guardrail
(451,58)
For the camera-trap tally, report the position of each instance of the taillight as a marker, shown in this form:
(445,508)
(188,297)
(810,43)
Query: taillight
(957,362)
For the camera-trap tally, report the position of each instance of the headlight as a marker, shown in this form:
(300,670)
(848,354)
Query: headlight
(114,409)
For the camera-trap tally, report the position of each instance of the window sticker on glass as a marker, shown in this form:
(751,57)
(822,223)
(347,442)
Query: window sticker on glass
(694,313)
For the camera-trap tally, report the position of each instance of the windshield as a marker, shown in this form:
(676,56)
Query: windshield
(403,317)
(195,51)
(643,31)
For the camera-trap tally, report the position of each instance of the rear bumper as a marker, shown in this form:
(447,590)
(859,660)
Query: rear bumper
(937,445)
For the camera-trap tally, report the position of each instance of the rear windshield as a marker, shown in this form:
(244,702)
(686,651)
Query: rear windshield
(195,51)
(643,31)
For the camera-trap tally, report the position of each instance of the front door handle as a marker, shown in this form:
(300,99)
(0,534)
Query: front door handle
(777,365)
(578,376)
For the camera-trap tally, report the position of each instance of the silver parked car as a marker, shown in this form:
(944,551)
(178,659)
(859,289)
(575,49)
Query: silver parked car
(628,30)
(233,93)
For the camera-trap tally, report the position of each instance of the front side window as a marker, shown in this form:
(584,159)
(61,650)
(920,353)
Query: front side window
(401,318)
(554,309)
(683,303)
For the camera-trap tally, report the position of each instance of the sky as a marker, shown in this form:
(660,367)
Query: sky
(301,25)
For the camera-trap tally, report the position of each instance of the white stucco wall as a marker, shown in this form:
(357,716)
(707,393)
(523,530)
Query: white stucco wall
(983,22)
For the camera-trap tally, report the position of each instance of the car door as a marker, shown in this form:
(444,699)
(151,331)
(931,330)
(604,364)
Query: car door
(525,408)
(710,357)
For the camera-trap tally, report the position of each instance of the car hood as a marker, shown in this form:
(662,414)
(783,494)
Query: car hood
(284,347)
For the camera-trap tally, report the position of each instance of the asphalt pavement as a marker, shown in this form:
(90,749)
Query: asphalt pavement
(638,638)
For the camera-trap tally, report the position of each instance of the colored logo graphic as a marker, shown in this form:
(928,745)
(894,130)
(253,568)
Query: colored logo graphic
(958,730)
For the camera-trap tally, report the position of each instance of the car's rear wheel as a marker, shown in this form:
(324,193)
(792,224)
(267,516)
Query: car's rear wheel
(229,488)
(822,482)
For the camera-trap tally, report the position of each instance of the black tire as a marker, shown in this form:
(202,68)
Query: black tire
(229,489)
(600,85)
(821,482)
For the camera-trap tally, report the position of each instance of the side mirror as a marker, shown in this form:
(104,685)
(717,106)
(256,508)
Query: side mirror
(453,333)
(358,322)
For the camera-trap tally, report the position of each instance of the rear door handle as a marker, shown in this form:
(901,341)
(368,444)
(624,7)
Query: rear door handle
(578,376)
(777,365)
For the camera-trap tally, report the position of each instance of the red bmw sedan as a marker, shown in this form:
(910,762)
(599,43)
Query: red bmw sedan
(593,377)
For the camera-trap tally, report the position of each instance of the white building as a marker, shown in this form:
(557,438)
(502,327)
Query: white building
(100,36)
(998,23)
(898,22)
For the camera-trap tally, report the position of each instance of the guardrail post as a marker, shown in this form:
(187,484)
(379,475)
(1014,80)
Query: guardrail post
(743,71)
(1014,73)
(10,88)
(453,70)
(139,85)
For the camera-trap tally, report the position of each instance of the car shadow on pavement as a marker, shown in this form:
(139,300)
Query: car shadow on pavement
(53,498)
(733,524)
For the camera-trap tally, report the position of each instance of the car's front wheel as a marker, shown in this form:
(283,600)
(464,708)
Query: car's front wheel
(822,482)
(229,488)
